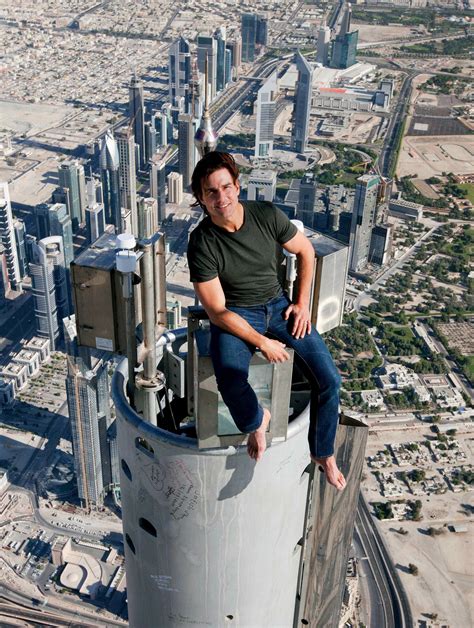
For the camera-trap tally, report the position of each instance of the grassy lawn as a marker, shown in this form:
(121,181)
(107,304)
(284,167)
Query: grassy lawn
(469,188)
(402,332)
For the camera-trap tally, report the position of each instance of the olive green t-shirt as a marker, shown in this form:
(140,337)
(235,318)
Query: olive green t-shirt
(245,260)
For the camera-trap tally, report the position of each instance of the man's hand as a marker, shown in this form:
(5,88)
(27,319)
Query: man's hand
(273,350)
(301,320)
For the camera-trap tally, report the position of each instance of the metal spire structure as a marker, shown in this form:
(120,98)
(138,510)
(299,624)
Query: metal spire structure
(205,139)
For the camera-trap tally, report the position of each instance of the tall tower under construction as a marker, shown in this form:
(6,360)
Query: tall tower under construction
(211,538)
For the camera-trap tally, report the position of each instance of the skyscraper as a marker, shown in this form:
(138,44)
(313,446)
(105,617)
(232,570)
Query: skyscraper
(136,111)
(60,225)
(7,239)
(158,186)
(52,219)
(175,188)
(127,172)
(207,49)
(109,170)
(344,50)
(346,20)
(19,229)
(220,37)
(381,244)
(81,179)
(95,222)
(235,48)
(363,218)
(179,71)
(150,141)
(261,36)
(87,393)
(50,292)
(147,216)
(186,149)
(249,36)
(302,104)
(261,185)
(266,111)
(72,179)
(197,90)
(306,200)
(322,46)
(228,65)
(160,123)
(95,191)
(344,47)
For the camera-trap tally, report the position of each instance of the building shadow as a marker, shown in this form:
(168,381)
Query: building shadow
(402,568)
(50,177)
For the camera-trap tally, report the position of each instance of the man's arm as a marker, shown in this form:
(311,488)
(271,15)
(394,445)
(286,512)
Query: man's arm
(212,297)
(303,249)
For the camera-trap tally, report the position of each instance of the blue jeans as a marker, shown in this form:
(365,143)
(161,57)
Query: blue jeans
(231,359)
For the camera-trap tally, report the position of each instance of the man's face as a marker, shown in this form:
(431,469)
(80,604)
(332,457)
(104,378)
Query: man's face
(220,196)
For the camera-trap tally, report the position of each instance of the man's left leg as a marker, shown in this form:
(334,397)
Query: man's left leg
(323,376)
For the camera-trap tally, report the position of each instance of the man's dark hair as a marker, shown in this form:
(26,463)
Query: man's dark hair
(211,162)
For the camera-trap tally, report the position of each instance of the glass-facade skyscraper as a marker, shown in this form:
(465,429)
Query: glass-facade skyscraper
(363,219)
(344,50)
(158,186)
(72,179)
(249,36)
(186,148)
(302,104)
(136,111)
(109,171)
(220,37)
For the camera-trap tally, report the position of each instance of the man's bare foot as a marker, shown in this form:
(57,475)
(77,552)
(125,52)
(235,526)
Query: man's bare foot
(257,442)
(330,468)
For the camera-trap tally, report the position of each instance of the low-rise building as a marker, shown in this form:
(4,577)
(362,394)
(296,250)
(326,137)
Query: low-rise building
(30,358)
(16,372)
(373,398)
(400,208)
(42,346)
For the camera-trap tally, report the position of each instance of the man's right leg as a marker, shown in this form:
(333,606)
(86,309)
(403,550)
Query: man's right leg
(231,360)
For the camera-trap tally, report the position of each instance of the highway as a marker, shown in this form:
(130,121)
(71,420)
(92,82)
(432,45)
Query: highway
(393,608)
(395,124)
(21,609)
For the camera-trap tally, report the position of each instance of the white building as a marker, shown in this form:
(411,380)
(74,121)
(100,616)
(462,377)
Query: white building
(7,239)
(42,346)
(16,372)
(30,358)
(266,110)
(262,185)
(175,188)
